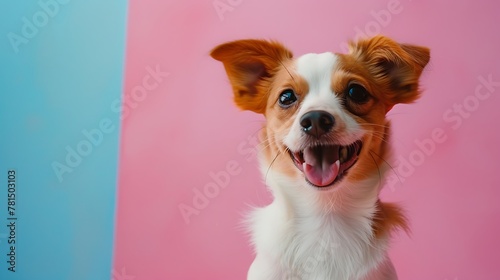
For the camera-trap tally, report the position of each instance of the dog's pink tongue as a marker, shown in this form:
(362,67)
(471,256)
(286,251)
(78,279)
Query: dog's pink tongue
(321,165)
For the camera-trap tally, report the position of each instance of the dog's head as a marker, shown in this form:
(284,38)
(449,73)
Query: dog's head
(325,112)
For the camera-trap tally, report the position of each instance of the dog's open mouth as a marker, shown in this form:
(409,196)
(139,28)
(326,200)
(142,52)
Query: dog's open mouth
(325,165)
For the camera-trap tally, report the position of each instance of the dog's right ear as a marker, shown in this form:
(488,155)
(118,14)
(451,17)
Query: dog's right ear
(250,66)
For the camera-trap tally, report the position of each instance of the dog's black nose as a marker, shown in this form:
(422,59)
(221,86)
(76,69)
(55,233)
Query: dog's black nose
(317,123)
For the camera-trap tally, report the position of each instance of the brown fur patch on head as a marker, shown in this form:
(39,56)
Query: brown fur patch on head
(390,72)
(279,121)
(250,66)
(369,115)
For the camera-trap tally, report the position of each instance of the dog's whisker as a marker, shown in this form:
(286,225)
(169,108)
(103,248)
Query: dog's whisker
(286,70)
(375,125)
(392,168)
(378,168)
(270,165)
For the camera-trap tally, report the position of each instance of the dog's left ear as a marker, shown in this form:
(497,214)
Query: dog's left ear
(250,66)
(395,67)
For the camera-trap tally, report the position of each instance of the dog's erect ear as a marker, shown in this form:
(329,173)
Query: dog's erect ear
(250,65)
(395,67)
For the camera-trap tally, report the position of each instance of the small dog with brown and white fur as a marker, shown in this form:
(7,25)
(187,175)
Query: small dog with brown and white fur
(324,153)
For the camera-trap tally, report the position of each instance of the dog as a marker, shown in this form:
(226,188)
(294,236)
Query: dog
(324,150)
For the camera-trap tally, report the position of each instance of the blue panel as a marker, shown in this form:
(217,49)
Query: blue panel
(61,68)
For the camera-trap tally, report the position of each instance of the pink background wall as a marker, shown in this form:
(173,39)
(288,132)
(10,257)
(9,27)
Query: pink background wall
(183,127)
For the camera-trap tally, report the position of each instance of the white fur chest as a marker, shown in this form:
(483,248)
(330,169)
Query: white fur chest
(312,245)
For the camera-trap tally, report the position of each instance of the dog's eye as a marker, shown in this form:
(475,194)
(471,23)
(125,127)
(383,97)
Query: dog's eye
(358,94)
(287,98)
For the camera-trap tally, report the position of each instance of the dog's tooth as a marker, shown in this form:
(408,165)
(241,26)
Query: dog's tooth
(342,154)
